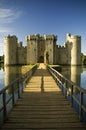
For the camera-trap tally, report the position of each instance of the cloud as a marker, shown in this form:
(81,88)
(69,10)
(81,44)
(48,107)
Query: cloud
(1,49)
(8,15)
(5,30)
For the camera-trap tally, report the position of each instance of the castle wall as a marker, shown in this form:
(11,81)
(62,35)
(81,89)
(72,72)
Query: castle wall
(49,51)
(61,55)
(68,52)
(41,49)
(31,52)
(50,43)
(31,49)
(22,55)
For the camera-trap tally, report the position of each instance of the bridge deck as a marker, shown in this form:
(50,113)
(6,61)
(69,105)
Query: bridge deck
(42,106)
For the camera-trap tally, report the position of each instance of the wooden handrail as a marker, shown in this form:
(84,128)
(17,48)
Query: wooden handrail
(21,80)
(62,82)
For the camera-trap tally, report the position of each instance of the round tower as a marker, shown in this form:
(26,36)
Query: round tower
(10,50)
(75,49)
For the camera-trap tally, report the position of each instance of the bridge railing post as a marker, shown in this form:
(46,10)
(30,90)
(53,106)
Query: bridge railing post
(80,107)
(21,84)
(65,84)
(72,95)
(18,88)
(13,96)
(4,107)
(61,84)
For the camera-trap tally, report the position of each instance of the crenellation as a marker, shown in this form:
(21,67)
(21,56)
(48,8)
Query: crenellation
(43,49)
(9,36)
(72,37)
(60,47)
(32,37)
(20,44)
(50,37)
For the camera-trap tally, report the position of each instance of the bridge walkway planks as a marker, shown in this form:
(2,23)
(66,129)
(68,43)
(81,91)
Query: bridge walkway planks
(42,107)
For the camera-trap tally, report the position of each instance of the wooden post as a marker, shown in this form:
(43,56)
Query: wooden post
(65,88)
(80,107)
(72,95)
(21,83)
(18,89)
(13,101)
(4,106)
(62,85)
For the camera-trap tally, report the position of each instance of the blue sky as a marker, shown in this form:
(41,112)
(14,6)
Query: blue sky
(23,17)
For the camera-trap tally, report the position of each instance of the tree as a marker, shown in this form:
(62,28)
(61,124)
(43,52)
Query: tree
(2,58)
(83,59)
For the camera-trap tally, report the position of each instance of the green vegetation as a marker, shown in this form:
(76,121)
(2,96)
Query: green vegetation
(83,59)
(54,65)
(25,68)
(1,62)
(2,59)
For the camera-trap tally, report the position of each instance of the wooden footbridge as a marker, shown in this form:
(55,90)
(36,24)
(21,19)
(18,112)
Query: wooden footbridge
(42,106)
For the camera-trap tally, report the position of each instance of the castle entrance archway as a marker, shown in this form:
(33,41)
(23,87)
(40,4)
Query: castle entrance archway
(41,59)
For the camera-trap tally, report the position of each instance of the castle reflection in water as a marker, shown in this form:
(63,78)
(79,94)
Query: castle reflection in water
(72,73)
(11,73)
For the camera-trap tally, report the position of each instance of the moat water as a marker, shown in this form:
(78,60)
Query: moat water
(75,74)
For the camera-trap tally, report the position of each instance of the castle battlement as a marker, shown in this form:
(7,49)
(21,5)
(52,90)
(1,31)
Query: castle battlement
(59,46)
(50,37)
(37,36)
(10,37)
(32,37)
(73,37)
(20,44)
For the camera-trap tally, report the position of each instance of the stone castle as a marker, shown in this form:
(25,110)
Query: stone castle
(43,49)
